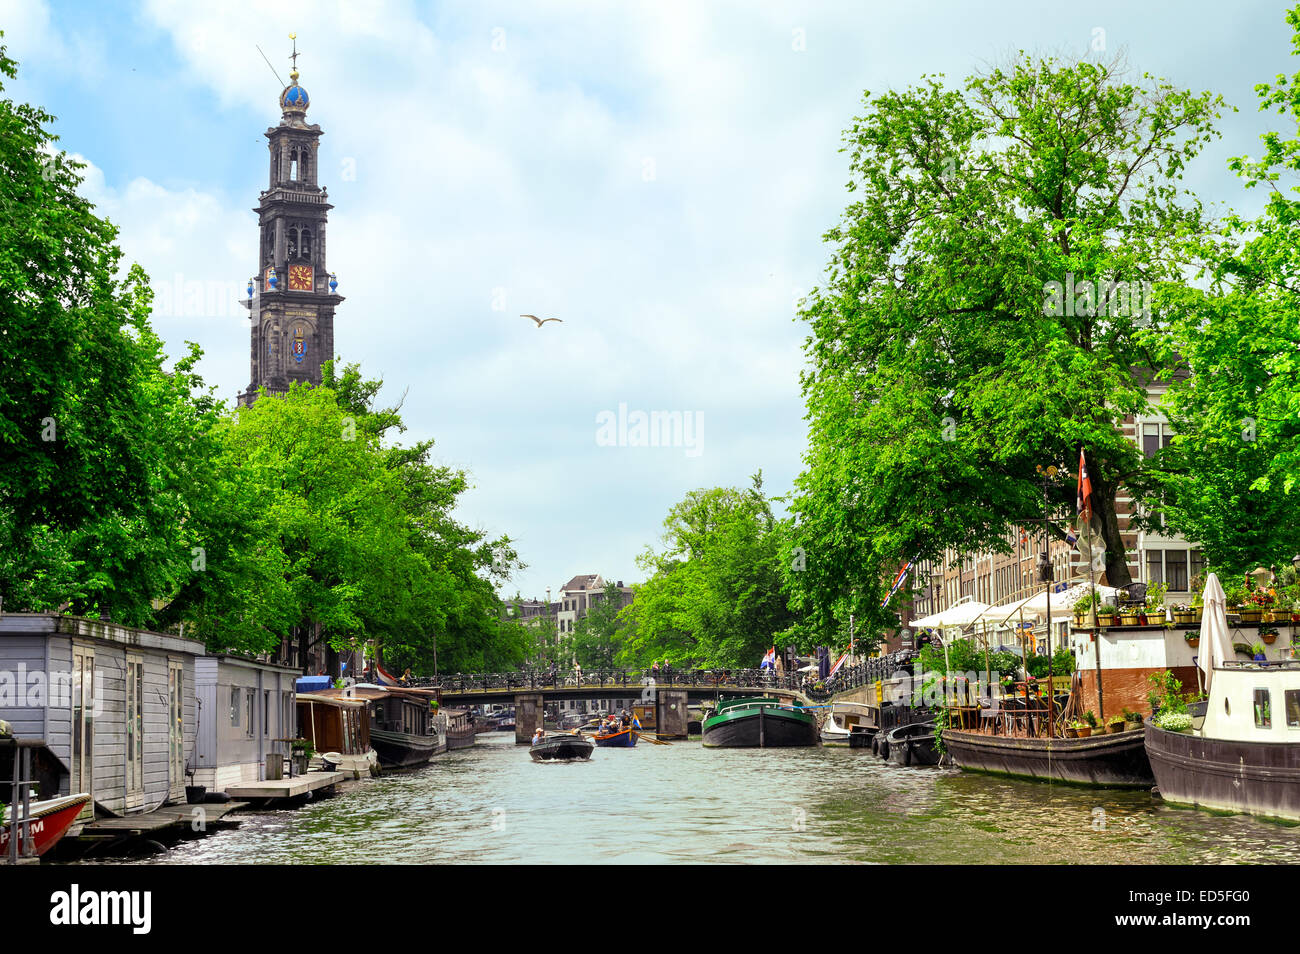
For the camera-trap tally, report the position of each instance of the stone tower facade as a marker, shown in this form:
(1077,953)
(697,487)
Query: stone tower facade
(292,299)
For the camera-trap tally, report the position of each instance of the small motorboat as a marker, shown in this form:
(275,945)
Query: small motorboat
(562,748)
(622,738)
(51,820)
(913,744)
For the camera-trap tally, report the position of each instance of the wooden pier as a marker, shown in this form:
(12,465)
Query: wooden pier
(286,787)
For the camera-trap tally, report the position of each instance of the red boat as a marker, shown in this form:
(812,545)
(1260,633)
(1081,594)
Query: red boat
(51,820)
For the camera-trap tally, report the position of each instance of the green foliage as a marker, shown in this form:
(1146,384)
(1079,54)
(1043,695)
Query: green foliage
(1165,692)
(1062,664)
(98,442)
(964,655)
(938,377)
(714,595)
(1231,476)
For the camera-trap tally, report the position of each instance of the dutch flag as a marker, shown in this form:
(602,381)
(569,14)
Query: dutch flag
(769,660)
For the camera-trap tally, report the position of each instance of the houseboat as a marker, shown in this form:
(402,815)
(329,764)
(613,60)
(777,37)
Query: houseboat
(341,728)
(1019,734)
(115,706)
(246,719)
(403,730)
(758,722)
(1241,751)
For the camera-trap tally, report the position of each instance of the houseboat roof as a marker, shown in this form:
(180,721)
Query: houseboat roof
(28,624)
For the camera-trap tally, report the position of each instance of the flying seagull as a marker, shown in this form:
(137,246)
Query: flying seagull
(541,321)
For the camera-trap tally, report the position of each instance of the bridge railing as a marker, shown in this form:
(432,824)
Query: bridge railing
(619,680)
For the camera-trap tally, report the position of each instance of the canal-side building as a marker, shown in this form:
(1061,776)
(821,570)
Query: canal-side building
(246,713)
(115,706)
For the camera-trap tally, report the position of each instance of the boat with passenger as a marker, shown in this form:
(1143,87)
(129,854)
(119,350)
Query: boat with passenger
(561,747)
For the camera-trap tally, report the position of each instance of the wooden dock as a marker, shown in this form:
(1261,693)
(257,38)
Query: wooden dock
(286,787)
(131,826)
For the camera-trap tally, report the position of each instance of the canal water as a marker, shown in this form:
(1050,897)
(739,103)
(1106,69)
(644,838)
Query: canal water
(684,803)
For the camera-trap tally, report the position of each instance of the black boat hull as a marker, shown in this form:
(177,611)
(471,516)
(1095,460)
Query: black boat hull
(1253,778)
(400,750)
(912,745)
(1111,760)
(562,749)
(771,730)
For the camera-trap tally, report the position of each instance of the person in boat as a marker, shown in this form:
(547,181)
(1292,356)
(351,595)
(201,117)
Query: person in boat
(626,720)
(539,735)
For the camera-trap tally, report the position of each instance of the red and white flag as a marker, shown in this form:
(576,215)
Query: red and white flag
(1085,492)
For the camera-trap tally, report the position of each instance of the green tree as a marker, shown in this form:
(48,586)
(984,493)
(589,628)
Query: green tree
(99,444)
(1231,476)
(973,325)
(714,595)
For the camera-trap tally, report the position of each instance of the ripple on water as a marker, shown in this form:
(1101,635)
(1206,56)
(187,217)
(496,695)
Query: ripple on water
(684,803)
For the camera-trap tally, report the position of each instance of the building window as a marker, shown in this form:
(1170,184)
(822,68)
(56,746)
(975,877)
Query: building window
(234,707)
(1155,435)
(1263,710)
(1155,566)
(293,243)
(248,713)
(1176,569)
(1292,700)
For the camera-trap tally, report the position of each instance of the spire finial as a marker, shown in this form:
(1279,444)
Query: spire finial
(294,74)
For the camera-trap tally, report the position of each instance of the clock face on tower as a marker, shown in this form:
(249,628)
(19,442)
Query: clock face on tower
(300,277)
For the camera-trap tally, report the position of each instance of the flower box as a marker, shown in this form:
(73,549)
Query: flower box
(1184,619)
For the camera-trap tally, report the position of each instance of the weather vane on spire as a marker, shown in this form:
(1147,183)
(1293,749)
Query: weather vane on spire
(294,57)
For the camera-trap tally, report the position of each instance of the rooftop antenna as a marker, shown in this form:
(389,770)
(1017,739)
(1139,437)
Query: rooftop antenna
(270,67)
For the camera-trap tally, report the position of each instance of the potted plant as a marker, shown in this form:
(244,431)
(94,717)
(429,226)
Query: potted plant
(302,751)
(1072,728)
(1269,635)
(1174,721)
(1198,605)
(1184,615)
(1128,616)
(1115,723)
(1258,652)
(1106,614)
(1193,638)
(1155,605)
(1132,720)
(1082,730)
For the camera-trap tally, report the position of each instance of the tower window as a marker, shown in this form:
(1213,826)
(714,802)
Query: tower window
(293,243)
(293,164)
(306,244)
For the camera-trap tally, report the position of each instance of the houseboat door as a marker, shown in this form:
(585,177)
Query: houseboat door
(82,778)
(175,725)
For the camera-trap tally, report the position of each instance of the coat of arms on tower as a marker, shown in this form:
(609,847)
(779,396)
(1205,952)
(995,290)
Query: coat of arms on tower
(299,347)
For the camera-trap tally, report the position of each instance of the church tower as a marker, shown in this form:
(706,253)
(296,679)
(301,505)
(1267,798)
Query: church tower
(292,299)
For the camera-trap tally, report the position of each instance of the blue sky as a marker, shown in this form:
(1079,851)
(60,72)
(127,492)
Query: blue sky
(659,175)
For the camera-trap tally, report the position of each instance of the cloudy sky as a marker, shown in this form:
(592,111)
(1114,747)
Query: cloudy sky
(656,174)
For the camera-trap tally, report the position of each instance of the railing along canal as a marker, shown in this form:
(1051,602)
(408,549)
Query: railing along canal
(867,672)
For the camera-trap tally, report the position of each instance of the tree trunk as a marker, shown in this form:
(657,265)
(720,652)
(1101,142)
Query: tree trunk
(1103,505)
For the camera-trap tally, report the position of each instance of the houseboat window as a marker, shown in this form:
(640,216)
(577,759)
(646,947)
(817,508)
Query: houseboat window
(248,713)
(234,707)
(266,712)
(1263,713)
(1292,698)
